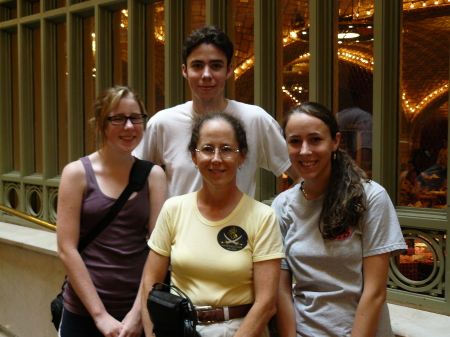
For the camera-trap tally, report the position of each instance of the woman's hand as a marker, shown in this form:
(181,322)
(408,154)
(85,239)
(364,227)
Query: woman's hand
(108,325)
(132,324)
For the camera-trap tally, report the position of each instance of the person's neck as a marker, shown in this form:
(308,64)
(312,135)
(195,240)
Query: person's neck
(217,204)
(202,107)
(110,157)
(312,190)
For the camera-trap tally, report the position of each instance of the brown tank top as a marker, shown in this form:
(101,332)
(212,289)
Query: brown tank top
(116,257)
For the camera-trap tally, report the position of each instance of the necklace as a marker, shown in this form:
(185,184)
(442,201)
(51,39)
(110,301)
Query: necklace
(303,191)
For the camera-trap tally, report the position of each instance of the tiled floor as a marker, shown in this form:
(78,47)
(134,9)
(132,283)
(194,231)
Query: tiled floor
(408,322)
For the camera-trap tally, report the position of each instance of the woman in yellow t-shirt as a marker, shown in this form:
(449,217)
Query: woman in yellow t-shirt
(224,247)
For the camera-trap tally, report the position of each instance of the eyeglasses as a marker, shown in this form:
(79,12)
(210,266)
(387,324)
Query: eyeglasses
(208,152)
(122,120)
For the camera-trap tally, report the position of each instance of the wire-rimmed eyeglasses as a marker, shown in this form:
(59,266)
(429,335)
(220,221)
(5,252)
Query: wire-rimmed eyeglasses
(208,151)
(122,120)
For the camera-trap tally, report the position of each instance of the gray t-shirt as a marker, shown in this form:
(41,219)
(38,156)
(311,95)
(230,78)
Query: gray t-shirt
(329,273)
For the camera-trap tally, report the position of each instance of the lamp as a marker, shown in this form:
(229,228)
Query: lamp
(348,32)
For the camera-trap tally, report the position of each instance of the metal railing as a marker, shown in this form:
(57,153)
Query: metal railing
(27,217)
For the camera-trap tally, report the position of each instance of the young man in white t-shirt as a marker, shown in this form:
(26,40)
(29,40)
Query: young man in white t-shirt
(207,55)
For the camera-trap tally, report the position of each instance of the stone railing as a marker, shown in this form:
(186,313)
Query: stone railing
(31,275)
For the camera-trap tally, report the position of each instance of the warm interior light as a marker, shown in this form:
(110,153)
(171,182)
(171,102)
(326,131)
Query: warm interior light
(348,32)
(348,35)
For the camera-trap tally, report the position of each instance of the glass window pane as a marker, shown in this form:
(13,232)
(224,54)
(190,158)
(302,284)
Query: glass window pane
(15,101)
(37,95)
(355,71)
(89,81)
(61,54)
(295,32)
(35,6)
(60,3)
(424,105)
(155,57)
(14,13)
(120,47)
(244,50)
(195,15)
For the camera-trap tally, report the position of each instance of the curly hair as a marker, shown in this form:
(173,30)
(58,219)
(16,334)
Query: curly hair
(236,124)
(107,102)
(345,199)
(208,34)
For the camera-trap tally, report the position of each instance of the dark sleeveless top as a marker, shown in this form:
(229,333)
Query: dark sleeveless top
(115,259)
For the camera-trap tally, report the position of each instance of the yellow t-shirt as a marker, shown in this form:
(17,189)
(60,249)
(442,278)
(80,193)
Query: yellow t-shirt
(212,262)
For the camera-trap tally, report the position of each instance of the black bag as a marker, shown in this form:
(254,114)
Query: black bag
(138,178)
(171,314)
(57,307)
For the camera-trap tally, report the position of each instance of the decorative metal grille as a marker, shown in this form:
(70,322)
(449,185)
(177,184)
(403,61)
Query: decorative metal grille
(34,200)
(53,204)
(11,195)
(421,268)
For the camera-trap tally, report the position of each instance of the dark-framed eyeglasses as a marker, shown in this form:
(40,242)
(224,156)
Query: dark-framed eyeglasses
(122,120)
(208,151)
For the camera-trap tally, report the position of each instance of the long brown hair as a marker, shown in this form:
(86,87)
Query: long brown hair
(345,199)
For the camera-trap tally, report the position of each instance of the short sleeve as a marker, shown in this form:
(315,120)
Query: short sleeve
(279,206)
(381,232)
(268,244)
(276,154)
(160,241)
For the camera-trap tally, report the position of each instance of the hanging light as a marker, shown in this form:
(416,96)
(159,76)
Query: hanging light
(348,32)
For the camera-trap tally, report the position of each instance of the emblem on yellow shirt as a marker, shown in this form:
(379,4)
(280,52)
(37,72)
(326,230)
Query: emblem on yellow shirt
(232,238)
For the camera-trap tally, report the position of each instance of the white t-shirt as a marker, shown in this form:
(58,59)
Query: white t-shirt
(169,131)
(212,261)
(329,272)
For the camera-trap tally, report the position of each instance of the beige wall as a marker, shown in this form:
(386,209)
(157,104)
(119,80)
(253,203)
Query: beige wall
(31,275)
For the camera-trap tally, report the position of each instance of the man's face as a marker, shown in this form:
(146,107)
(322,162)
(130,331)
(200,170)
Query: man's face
(207,72)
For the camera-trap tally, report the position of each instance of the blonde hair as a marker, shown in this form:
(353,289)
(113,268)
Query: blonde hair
(107,102)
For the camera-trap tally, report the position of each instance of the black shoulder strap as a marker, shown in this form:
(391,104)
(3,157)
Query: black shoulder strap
(138,177)
(139,174)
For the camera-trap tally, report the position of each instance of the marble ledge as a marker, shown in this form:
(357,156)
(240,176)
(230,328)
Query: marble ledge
(29,238)
(410,322)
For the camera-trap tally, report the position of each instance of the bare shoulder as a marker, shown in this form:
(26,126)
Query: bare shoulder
(156,174)
(74,174)
(157,182)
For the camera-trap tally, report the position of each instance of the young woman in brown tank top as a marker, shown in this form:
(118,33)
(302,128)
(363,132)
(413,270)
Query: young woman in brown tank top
(102,297)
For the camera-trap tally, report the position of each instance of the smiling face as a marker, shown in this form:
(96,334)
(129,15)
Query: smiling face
(218,172)
(310,147)
(124,137)
(207,72)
